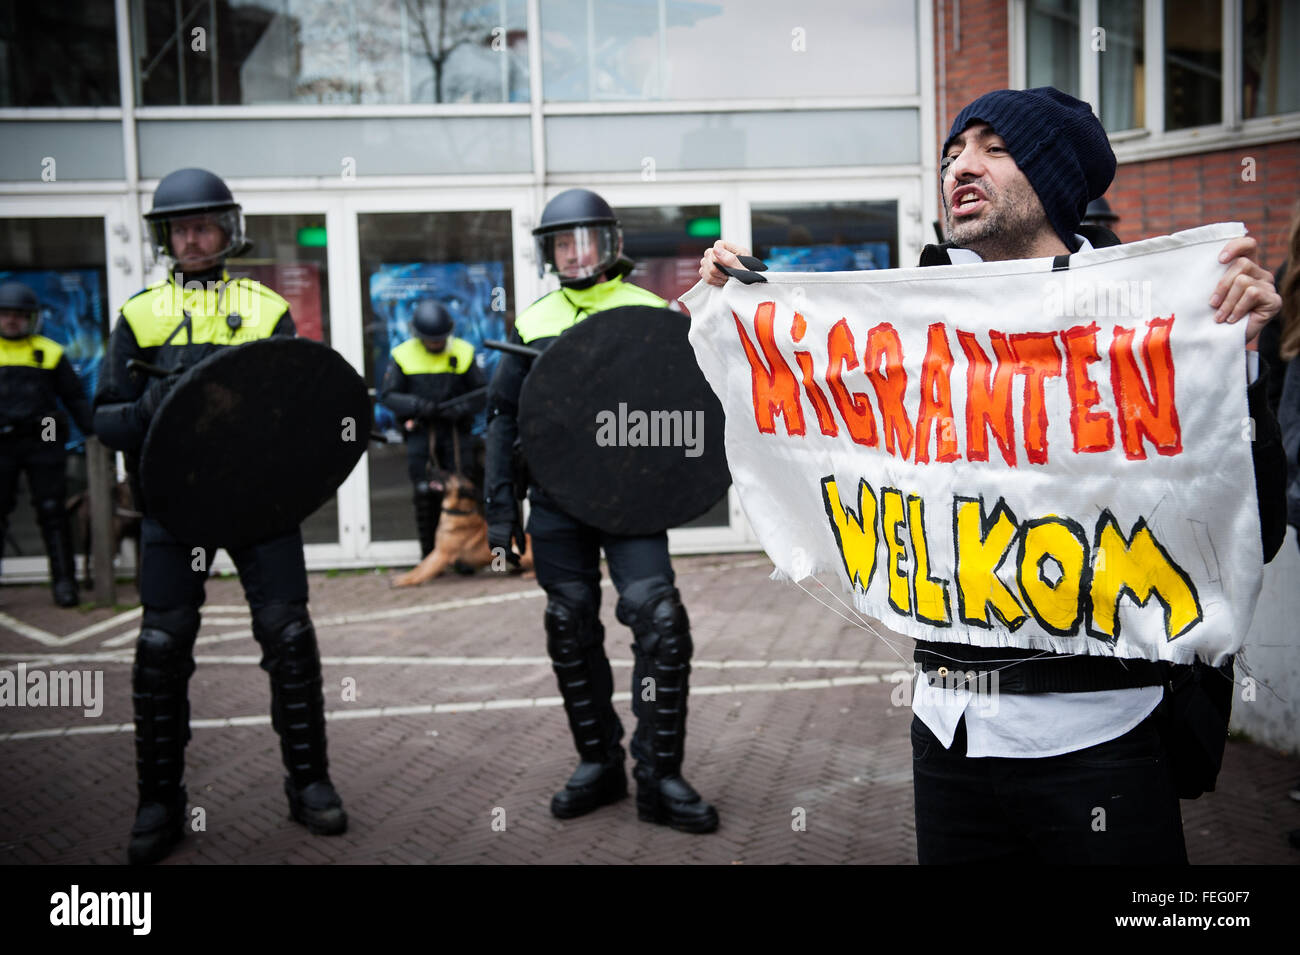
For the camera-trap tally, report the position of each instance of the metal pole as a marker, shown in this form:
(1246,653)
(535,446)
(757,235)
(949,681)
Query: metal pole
(180,51)
(100,485)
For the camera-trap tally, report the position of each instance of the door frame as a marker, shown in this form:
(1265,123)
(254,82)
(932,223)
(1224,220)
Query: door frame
(123,266)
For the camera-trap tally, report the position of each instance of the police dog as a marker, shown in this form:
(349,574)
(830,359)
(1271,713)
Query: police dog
(461,538)
(126,525)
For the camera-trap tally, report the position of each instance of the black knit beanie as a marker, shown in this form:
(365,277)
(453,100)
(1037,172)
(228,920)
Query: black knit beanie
(1058,144)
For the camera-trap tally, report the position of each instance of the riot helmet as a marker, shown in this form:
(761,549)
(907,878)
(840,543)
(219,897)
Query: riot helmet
(578,238)
(190,200)
(432,323)
(15,297)
(1100,213)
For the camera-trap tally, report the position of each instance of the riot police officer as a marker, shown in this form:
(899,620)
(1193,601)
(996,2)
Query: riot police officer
(34,376)
(426,372)
(580,240)
(196,311)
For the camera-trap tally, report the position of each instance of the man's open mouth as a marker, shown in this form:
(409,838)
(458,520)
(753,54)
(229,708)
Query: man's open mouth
(967,200)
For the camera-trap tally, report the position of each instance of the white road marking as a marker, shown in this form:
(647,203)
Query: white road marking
(27,630)
(338,620)
(432,709)
(126,656)
(53,640)
(126,636)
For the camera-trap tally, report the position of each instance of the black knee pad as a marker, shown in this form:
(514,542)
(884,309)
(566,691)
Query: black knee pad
(183,622)
(571,620)
(653,609)
(161,658)
(288,640)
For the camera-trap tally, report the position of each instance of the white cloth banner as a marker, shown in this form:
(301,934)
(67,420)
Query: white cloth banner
(1002,454)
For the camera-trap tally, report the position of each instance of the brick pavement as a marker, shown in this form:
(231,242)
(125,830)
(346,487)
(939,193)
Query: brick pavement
(769,733)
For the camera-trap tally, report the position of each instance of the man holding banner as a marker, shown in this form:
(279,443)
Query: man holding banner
(1016,502)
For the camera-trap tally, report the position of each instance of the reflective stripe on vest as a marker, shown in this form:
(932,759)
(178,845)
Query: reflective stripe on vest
(34,351)
(552,314)
(414,359)
(155,313)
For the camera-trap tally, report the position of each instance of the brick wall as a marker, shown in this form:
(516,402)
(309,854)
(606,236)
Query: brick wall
(1160,196)
(1153,197)
(980,65)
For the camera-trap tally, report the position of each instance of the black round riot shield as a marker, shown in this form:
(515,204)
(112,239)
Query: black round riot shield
(252,440)
(619,426)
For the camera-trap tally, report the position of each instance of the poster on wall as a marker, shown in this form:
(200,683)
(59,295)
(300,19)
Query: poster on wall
(72,314)
(828,257)
(474,293)
(298,283)
(667,276)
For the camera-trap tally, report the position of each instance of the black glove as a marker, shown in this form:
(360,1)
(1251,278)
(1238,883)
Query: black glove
(503,534)
(427,411)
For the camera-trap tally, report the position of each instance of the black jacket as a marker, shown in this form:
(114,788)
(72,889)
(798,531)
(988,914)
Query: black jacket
(32,384)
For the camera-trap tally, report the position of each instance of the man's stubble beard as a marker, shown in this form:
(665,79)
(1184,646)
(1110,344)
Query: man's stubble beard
(1008,228)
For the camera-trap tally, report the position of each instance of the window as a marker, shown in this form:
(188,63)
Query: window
(59,54)
(289,255)
(331,51)
(1052,44)
(1123,68)
(1193,63)
(714,49)
(665,243)
(826,236)
(63,261)
(1270,84)
(465,260)
(1160,66)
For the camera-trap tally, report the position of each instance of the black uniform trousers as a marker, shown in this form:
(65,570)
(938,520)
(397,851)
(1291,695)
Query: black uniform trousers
(45,464)
(567,551)
(173,574)
(1109,804)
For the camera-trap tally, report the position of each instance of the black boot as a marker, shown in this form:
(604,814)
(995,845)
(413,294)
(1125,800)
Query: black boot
(158,827)
(58,548)
(163,665)
(592,785)
(298,715)
(660,682)
(575,642)
(428,508)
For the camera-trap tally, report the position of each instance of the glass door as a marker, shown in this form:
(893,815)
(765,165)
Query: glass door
(467,250)
(290,255)
(60,248)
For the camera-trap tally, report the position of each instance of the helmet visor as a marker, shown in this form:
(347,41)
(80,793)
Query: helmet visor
(578,252)
(202,238)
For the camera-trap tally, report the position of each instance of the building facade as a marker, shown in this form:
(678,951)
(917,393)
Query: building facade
(388,148)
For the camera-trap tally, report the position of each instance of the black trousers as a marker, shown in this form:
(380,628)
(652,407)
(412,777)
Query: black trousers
(566,550)
(1109,804)
(173,574)
(566,558)
(45,464)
